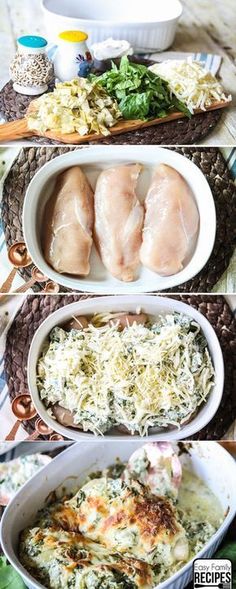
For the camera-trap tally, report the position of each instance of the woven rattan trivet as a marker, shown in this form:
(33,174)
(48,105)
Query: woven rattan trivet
(14,106)
(36,308)
(209,160)
(182,132)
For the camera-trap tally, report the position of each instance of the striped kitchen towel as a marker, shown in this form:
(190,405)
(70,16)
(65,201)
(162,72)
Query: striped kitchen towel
(211,62)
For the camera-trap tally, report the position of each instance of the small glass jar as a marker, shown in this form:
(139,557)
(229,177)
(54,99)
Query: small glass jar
(31,70)
(72,58)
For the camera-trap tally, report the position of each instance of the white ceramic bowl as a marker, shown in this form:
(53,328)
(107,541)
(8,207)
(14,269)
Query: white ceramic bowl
(92,160)
(206,459)
(152,305)
(148,26)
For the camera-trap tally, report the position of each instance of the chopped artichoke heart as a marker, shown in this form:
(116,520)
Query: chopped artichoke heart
(78,106)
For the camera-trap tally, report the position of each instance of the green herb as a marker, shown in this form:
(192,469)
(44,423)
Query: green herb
(229,551)
(140,93)
(115,470)
(80,498)
(9,578)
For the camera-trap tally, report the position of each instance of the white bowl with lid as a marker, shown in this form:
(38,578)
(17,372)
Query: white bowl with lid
(149,26)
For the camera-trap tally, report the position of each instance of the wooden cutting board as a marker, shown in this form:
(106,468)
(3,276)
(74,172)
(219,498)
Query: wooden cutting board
(19,129)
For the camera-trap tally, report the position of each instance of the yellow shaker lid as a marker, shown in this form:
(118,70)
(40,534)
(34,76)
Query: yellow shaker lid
(73,36)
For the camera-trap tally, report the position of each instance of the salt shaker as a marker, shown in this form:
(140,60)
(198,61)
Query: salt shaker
(31,70)
(72,58)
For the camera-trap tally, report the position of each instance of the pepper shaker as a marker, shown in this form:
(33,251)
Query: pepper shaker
(31,70)
(72,58)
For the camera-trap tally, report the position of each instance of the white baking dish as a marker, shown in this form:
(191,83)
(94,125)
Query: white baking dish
(152,305)
(148,26)
(7,446)
(92,160)
(206,459)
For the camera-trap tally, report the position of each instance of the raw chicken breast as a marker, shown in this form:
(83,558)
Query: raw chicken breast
(171,222)
(68,224)
(119,220)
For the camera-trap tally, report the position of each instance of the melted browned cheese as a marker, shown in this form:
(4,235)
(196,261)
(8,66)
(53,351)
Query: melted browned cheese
(132,521)
(56,545)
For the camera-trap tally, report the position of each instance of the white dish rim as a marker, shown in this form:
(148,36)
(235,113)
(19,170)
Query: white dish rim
(8,447)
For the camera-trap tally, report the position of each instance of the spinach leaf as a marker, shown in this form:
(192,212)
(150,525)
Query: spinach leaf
(140,93)
(229,551)
(9,578)
(136,106)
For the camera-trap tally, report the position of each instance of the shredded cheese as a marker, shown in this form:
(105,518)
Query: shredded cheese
(191,83)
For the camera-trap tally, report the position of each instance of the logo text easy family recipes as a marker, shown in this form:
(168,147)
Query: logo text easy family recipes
(212,573)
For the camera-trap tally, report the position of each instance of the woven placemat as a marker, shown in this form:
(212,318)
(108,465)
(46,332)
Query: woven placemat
(13,106)
(209,160)
(36,308)
(182,132)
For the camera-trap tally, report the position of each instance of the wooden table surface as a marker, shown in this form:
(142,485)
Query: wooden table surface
(205,26)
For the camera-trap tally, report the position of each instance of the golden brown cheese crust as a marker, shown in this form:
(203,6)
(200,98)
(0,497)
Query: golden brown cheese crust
(152,515)
(42,549)
(125,518)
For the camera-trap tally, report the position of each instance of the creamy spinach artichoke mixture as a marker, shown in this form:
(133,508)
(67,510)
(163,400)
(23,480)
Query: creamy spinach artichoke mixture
(15,473)
(128,527)
(143,373)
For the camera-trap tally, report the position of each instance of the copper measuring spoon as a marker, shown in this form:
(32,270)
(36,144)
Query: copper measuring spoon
(23,409)
(41,429)
(56,438)
(51,287)
(36,276)
(18,256)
